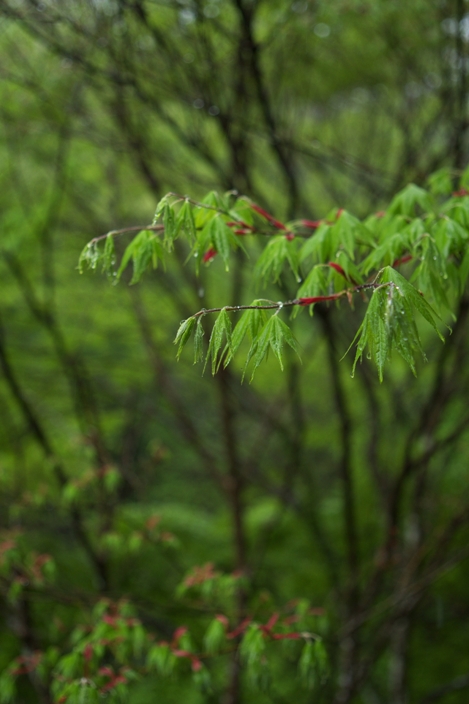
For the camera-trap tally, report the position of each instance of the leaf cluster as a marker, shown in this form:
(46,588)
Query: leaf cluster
(408,261)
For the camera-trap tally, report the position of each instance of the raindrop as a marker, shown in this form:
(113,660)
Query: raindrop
(198,103)
(214,110)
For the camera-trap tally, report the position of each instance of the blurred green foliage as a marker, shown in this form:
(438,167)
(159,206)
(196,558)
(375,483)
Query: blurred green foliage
(138,497)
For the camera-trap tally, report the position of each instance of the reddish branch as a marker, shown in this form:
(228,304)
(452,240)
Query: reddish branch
(307,301)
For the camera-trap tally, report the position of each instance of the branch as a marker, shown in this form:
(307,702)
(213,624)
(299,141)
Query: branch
(272,305)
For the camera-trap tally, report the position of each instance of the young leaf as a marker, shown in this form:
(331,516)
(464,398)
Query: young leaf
(109,257)
(215,636)
(272,260)
(281,334)
(162,659)
(183,334)
(249,324)
(89,257)
(406,202)
(273,335)
(320,246)
(222,239)
(185,222)
(198,342)
(252,645)
(169,224)
(440,183)
(344,232)
(160,207)
(415,298)
(307,665)
(221,330)
(144,250)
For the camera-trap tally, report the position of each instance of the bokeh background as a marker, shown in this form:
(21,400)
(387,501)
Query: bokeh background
(129,469)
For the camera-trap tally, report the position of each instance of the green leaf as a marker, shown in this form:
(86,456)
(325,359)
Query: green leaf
(316,283)
(221,330)
(7,687)
(273,335)
(222,239)
(215,637)
(109,257)
(70,665)
(183,334)
(307,665)
(161,659)
(353,273)
(272,260)
(169,224)
(431,275)
(249,324)
(202,679)
(344,232)
(89,257)
(281,334)
(406,202)
(160,207)
(320,245)
(390,322)
(259,347)
(242,211)
(414,297)
(145,250)
(440,182)
(450,237)
(199,342)
(252,645)
(185,222)
(386,253)
(203,215)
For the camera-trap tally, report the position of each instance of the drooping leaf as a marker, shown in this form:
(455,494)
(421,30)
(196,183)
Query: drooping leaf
(169,224)
(223,239)
(89,257)
(109,257)
(215,636)
(198,342)
(185,222)
(278,251)
(273,335)
(145,250)
(160,207)
(249,324)
(221,331)
(414,297)
(183,334)
(407,201)
(440,182)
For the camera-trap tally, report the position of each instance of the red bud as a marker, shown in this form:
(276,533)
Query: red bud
(209,255)
(268,216)
(312,224)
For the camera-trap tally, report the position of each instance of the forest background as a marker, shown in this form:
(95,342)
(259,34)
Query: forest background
(139,498)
